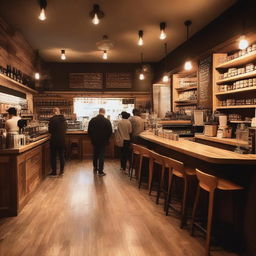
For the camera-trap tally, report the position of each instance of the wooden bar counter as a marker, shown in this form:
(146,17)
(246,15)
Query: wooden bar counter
(240,168)
(21,171)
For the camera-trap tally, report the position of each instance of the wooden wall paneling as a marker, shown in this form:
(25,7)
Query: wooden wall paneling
(46,160)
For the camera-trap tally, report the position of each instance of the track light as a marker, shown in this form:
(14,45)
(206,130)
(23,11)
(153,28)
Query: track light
(188,64)
(243,43)
(140,42)
(63,55)
(162,30)
(96,14)
(105,55)
(37,76)
(43,5)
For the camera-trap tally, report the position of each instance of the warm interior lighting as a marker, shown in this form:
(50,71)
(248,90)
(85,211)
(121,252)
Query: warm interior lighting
(243,43)
(140,42)
(63,55)
(42,15)
(162,30)
(96,14)
(188,65)
(141,76)
(105,55)
(165,78)
(37,76)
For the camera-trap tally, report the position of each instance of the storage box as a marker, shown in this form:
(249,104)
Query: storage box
(210,130)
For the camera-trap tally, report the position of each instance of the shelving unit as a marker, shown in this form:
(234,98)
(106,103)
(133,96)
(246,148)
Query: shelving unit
(229,84)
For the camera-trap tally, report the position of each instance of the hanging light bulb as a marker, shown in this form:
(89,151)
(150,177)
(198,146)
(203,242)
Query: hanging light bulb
(162,30)
(165,78)
(42,15)
(140,42)
(243,43)
(188,65)
(105,55)
(141,76)
(63,55)
(37,76)
(96,14)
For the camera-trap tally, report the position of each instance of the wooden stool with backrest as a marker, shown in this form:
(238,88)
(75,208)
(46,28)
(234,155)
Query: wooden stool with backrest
(209,183)
(135,153)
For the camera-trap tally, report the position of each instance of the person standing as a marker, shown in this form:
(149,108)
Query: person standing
(11,124)
(57,128)
(137,124)
(124,130)
(99,131)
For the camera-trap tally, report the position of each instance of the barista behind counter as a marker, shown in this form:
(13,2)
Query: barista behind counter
(11,124)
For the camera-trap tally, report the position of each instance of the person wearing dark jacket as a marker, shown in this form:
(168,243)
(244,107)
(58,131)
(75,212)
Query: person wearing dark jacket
(57,128)
(99,131)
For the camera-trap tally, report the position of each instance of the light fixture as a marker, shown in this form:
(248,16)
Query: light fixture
(165,78)
(243,43)
(140,41)
(141,74)
(37,76)
(43,5)
(96,14)
(63,55)
(162,30)
(188,64)
(105,55)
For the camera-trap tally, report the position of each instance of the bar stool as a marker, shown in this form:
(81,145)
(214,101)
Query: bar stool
(135,152)
(209,183)
(178,170)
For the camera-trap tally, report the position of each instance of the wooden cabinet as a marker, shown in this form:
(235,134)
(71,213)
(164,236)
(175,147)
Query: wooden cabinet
(46,159)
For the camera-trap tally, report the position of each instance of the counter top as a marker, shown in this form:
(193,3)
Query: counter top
(76,132)
(25,148)
(203,152)
(228,141)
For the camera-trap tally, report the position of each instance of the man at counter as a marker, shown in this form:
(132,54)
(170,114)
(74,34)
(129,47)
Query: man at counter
(99,131)
(57,128)
(137,124)
(11,124)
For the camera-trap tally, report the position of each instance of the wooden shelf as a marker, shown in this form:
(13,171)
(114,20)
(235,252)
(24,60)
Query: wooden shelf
(253,88)
(17,83)
(186,102)
(186,88)
(238,106)
(235,78)
(240,122)
(247,58)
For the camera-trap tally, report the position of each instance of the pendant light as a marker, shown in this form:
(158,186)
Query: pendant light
(42,15)
(188,64)
(165,78)
(162,30)
(96,14)
(37,75)
(141,75)
(140,41)
(105,55)
(243,42)
(63,55)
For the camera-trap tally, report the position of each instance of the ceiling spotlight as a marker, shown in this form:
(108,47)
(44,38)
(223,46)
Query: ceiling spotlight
(105,55)
(43,5)
(162,30)
(37,76)
(140,33)
(243,43)
(63,55)
(96,14)
(165,78)
(188,65)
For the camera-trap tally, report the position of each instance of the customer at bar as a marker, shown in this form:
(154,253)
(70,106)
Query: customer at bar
(137,125)
(99,131)
(57,128)
(124,130)
(11,124)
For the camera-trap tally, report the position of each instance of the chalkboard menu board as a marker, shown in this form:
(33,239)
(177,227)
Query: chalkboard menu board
(118,80)
(205,83)
(86,80)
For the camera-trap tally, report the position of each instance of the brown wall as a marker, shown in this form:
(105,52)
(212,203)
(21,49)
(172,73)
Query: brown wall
(223,28)
(59,74)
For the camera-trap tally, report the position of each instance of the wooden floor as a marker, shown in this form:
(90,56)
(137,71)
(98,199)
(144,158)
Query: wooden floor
(81,214)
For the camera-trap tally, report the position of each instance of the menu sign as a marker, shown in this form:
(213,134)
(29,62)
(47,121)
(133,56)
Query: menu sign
(119,80)
(86,80)
(204,82)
